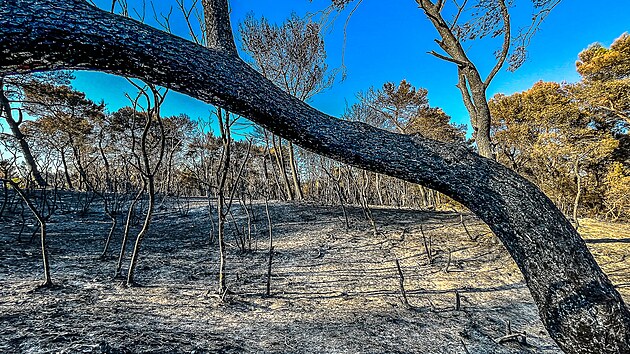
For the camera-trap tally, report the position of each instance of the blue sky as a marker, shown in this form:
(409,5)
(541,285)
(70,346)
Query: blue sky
(389,41)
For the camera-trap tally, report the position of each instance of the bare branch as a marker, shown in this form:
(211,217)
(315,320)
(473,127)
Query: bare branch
(505,48)
(188,13)
(460,10)
(345,37)
(444,57)
(164,21)
(468,102)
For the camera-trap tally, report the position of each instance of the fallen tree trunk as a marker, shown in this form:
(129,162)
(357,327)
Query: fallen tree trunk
(578,304)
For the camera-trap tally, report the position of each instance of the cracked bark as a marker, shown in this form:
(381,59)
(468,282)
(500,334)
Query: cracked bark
(218,28)
(579,306)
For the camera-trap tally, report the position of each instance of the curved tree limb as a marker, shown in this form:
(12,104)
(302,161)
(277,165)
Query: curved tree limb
(578,304)
(505,47)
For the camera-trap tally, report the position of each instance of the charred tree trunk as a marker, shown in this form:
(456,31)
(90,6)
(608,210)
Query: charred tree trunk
(222,208)
(471,85)
(578,304)
(108,240)
(83,178)
(42,231)
(578,194)
(142,234)
(379,193)
(108,174)
(473,93)
(65,168)
(218,29)
(269,223)
(294,173)
(337,187)
(125,238)
(279,191)
(279,154)
(270,249)
(222,288)
(148,171)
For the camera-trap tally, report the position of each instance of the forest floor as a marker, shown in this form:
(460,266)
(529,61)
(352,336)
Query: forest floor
(333,290)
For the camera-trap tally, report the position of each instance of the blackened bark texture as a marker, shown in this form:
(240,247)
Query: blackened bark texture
(64,162)
(577,303)
(42,231)
(142,234)
(218,27)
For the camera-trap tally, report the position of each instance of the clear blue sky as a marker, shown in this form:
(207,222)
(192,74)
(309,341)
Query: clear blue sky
(389,41)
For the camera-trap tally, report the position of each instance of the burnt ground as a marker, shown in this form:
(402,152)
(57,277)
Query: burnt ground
(333,291)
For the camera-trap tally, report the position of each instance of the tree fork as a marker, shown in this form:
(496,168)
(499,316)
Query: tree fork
(42,230)
(579,306)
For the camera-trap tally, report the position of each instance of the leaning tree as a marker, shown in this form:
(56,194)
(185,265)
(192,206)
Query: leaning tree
(578,304)
(458,24)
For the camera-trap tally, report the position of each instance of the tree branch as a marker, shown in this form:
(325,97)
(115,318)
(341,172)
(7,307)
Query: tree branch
(449,42)
(505,48)
(445,58)
(460,10)
(462,85)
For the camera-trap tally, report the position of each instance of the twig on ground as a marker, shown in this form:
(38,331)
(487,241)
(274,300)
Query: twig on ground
(520,338)
(464,345)
(428,247)
(448,261)
(401,279)
(458,301)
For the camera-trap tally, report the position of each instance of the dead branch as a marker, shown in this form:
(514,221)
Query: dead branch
(401,279)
